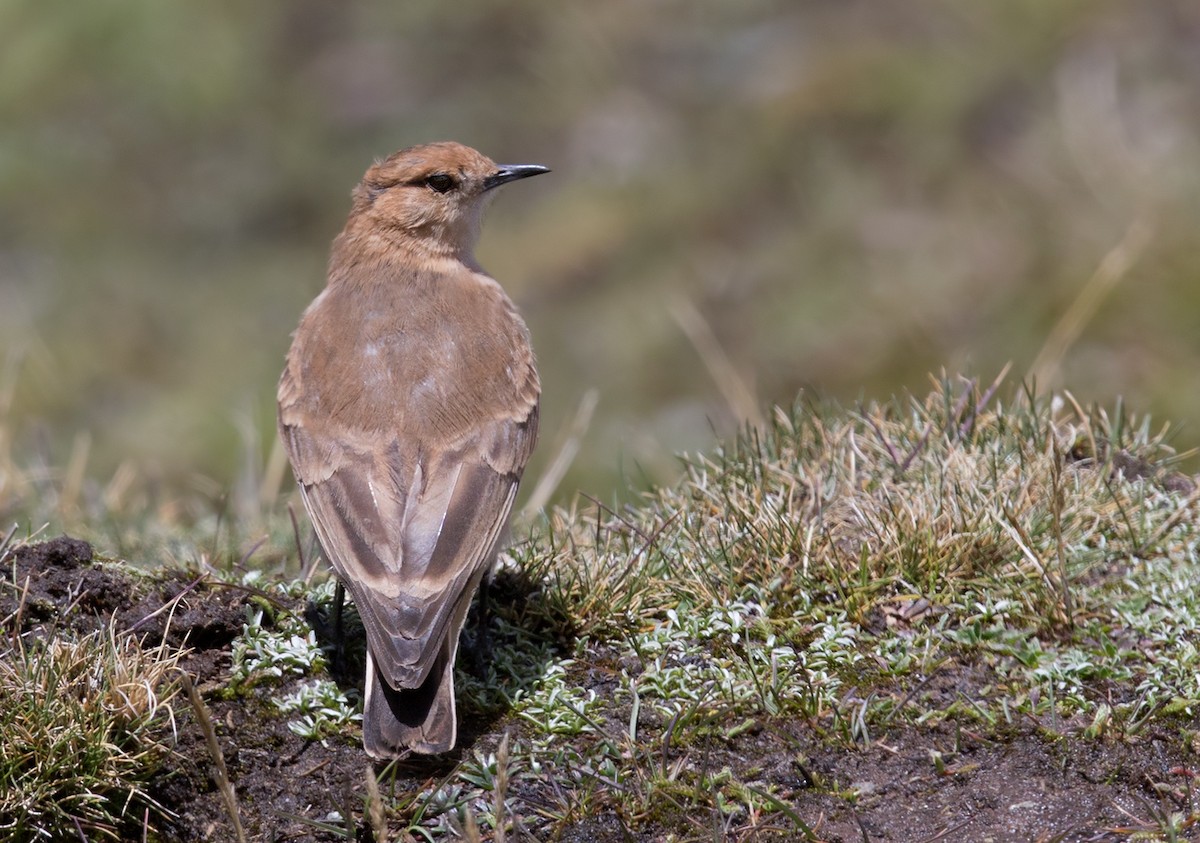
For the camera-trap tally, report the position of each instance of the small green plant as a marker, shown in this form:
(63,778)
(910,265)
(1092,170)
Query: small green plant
(268,652)
(321,707)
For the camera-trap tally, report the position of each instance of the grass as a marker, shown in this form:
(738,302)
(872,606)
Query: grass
(80,720)
(830,572)
(827,565)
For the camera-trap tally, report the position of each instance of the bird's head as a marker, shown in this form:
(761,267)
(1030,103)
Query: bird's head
(434,194)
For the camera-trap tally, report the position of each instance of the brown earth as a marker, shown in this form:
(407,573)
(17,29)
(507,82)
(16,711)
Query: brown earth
(945,782)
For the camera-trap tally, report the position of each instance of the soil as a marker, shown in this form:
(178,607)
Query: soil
(943,782)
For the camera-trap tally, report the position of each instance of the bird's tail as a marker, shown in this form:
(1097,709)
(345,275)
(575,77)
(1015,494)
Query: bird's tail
(410,719)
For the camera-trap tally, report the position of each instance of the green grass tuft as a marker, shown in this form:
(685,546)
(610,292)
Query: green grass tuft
(78,718)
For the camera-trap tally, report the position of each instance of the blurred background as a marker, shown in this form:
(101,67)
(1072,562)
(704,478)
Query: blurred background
(748,199)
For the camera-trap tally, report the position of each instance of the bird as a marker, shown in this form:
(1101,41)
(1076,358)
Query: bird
(408,408)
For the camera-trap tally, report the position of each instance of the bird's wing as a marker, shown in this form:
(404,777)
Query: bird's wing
(409,527)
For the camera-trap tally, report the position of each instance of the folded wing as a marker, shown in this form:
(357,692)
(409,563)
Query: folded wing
(408,529)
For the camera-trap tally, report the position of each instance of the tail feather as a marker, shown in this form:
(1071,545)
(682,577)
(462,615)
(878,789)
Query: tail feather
(419,719)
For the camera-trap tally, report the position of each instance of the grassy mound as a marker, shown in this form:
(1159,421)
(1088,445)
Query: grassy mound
(889,622)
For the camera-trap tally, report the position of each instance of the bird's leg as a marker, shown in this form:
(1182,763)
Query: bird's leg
(339,638)
(481,650)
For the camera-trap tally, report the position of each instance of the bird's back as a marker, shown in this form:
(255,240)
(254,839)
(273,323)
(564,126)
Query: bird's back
(434,356)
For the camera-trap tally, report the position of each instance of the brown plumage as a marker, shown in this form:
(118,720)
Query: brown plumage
(408,408)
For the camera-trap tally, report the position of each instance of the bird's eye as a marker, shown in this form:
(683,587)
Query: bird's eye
(440,182)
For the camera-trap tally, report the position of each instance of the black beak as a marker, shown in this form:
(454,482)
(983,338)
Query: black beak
(512,172)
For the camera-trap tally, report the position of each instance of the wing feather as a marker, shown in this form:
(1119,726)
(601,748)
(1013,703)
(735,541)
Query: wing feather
(408,531)
(408,429)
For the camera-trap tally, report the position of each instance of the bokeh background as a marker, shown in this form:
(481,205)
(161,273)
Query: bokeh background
(749,199)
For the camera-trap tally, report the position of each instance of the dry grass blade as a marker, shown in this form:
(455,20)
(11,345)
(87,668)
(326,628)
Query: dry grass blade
(170,605)
(6,543)
(272,479)
(984,400)
(72,485)
(565,455)
(1056,506)
(500,793)
(375,810)
(738,394)
(1088,431)
(1011,524)
(220,771)
(470,827)
(1112,269)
